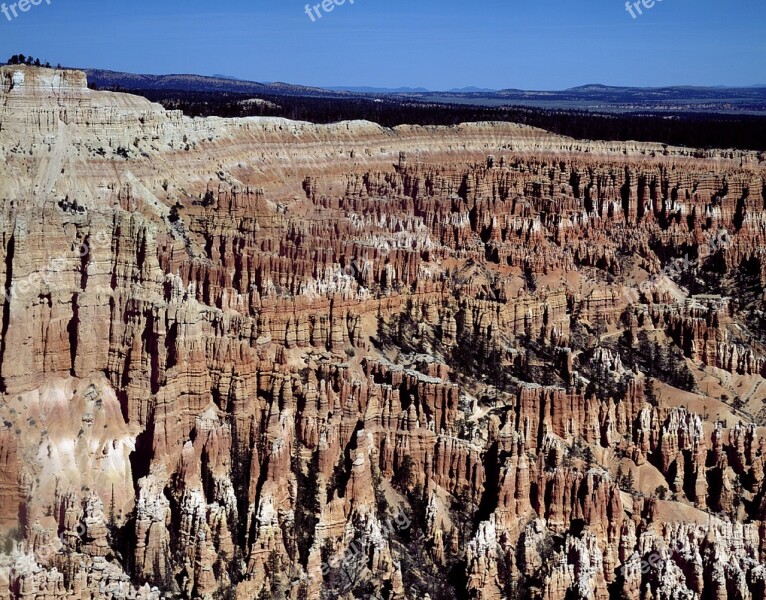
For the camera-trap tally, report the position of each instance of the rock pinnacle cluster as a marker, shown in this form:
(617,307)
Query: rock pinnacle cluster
(264,359)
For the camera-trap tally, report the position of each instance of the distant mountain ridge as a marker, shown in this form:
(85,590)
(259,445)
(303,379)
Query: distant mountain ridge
(228,83)
(365,89)
(604,98)
(592,96)
(103,78)
(404,90)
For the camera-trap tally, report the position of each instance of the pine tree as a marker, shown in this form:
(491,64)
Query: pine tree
(306,504)
(629,482)
(404,477)
(111,510)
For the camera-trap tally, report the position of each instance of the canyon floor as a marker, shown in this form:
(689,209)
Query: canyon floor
(263,359)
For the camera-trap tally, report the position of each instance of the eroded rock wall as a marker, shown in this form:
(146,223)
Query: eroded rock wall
(276,359)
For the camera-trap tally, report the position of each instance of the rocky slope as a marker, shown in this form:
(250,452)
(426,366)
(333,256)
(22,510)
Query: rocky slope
(266,359)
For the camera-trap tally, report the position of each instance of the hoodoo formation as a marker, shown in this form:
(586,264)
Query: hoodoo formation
(258,358)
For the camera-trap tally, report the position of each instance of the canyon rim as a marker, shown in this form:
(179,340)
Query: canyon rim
(234,349)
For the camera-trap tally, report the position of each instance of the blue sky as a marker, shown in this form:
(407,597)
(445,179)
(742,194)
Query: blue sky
(532,44)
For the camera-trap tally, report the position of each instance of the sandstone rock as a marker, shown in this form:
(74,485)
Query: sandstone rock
(373,323)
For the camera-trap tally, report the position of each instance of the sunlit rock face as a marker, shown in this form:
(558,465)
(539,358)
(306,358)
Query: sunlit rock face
(258,358)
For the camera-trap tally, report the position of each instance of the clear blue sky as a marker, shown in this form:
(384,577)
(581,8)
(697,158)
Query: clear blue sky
(438,44)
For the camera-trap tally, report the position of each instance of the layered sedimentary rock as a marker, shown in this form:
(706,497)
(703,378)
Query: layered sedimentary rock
(258,358)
